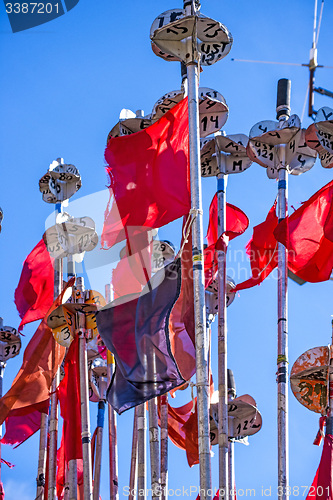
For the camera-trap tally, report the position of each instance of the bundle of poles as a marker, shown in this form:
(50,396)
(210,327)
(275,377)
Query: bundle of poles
(186,36)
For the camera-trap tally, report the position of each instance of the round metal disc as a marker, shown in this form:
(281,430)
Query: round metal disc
(309,378)
(268,131)
(129,126)
(168,38)
(163,254)
(76,234)
(262,153)
(246,418)
(60,182)
(10,343)
(212,295)
(233,154)
(165,103)
(99,367)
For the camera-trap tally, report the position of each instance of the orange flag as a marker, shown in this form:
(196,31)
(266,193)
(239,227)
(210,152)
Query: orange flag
(41,360)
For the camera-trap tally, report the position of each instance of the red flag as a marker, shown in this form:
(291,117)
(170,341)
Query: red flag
(23,423)
(322,485)
(236,223)
(70,403)
(308,235)
(149,175)
(41,360)
(34,293)
(262,250)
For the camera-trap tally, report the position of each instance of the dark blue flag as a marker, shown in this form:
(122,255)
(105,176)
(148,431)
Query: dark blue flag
(135,328)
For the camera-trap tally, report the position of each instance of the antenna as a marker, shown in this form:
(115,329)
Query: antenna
(312,65)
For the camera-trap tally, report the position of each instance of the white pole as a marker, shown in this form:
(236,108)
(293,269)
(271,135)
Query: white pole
(201,341)
(84,393)
(142,425)
(283,112)
(134,457)
(164,447)
(222,179)
(53,420)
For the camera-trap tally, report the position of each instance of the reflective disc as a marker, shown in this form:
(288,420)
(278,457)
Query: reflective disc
(10,343)
(232,153)
(246,417)
(60,182)
(163,254)
(309,378)
(129,126)
(76,234)
(212,294)
(268,131)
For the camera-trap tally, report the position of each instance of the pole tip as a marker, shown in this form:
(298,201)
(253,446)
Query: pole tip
(283,98)
(231,383)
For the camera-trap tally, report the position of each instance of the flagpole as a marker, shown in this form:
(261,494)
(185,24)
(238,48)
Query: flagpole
(201,343)
(329,418)
(84,393)
(142,425)
(53,419)
(283,113)
(2,369)
(154,448)
(231,456)
(102,385)
(222,179)
(112,419)
(164,446)
(134,457)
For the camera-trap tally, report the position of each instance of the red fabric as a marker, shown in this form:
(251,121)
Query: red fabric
(41,360)
(308,235)
(322,485)
(70,403)
(34,293)
(262,250)
(236,222)
(2,491)
(181,321)
(149,176)
(23,423)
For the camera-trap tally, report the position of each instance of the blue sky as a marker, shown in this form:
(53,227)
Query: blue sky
(63,85)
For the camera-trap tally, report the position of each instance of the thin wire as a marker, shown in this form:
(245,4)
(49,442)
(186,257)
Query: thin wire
(320,18)
(305,101)
(269,62)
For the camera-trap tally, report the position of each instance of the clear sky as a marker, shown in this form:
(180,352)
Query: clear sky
(63,85)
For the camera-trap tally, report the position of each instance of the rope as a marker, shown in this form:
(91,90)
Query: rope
(187,228)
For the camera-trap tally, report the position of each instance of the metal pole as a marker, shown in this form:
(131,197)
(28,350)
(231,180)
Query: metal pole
(72,479)
(134,458)
(53,420)
(329,418)
(112,420)
(164,447)
(154,449)
(201,341)
(84,393)
(283,112)
(222,179)
(42,455)
(231,456)
(142,425)
(2,369)
(99,443)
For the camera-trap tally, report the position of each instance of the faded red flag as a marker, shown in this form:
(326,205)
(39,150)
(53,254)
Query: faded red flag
(41,360)
(149,176)
(262,250)
(34,293)
(322,485)
(308,235)
(23,423)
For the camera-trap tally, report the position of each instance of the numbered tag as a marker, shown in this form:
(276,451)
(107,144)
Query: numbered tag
(10,343)
(300,157)
(163,254)
(129,126)
(168,38)
(268,131)
(62,319)
(309,378)
(319,136)
(263,154)
(76,234)
(60,182)
(213,111)
(246,418)
(165,103)
(212,295)
(233,154)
